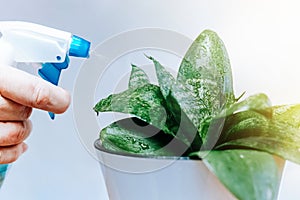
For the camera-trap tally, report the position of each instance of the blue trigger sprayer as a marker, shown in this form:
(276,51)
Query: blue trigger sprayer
(32,43)
(23,42)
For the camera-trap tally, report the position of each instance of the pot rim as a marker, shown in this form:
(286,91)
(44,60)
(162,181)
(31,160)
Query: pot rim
(99,147)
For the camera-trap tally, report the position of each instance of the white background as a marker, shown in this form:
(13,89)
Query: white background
(262,39)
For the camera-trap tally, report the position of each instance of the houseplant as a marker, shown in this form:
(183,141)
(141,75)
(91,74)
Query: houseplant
(198,111)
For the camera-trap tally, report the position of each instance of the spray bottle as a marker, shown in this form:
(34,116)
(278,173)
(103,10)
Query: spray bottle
(23,42)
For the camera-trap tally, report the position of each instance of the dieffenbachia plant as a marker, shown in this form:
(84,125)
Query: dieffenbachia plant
(198,115)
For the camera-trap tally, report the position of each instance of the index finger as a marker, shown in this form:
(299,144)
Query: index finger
(32,91)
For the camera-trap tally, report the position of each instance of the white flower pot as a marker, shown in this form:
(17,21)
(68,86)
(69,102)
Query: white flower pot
(155,178)
(141,178)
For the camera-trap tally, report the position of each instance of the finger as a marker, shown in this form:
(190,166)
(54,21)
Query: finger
(12,111)
(11,153)
(32,91)
(12,133)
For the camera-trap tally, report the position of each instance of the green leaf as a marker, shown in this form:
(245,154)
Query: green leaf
(133,136)
(206,71)
(248,174)
(289,114)
(182,105)
(165,79)
(242,124)
(146,102)
(138,77)
(187,114)
(258,102)
(252,130)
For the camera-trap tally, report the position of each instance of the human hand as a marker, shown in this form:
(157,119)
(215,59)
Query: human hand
(19,93)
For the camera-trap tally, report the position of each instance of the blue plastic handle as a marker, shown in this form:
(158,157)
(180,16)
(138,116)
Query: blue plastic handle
(51,72)
(79,47)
